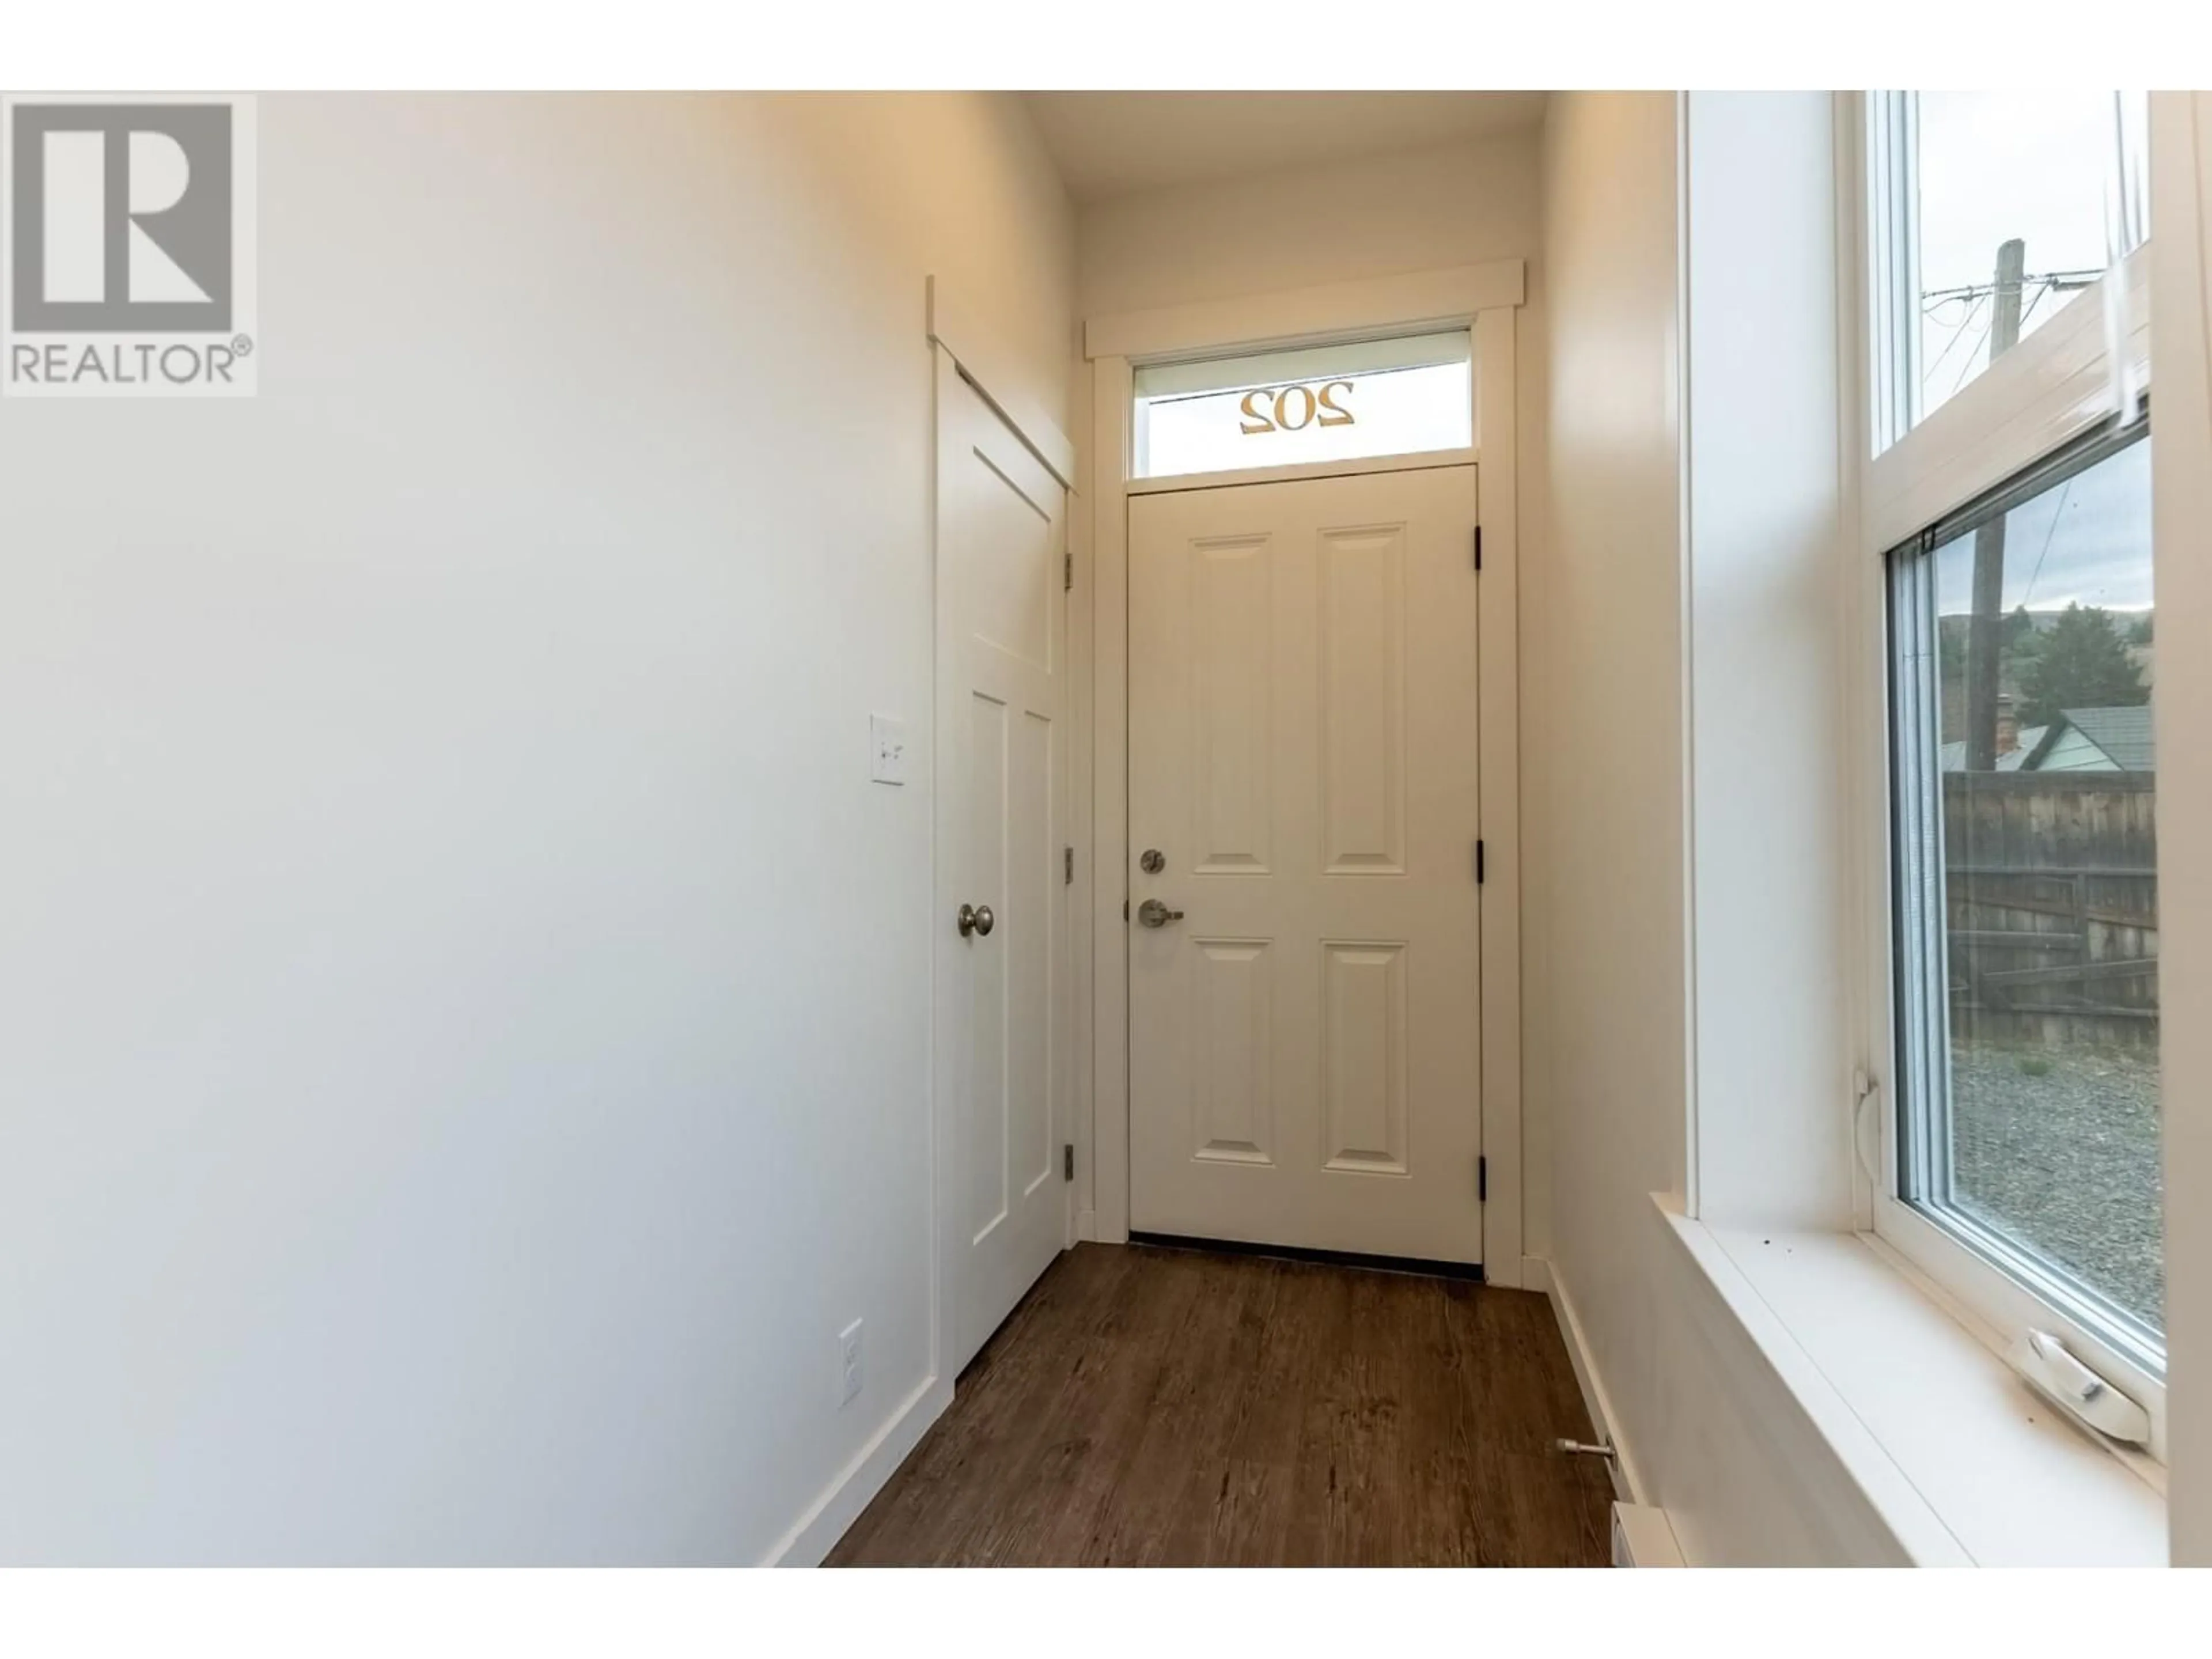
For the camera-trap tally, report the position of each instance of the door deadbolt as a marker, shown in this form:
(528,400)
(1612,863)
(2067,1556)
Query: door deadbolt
(1153,861)
(1153,914)
(976,919)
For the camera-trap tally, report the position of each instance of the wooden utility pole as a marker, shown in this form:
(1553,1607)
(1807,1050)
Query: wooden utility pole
(1984,636)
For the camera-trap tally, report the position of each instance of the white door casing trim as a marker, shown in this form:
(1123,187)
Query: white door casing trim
(1499,750)
(1484,299)
(990,368)
(1452,298)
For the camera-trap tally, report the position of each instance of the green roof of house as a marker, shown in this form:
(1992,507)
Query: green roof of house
(2123,734)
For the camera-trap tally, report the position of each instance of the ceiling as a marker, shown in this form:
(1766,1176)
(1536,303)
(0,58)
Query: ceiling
(1113,144)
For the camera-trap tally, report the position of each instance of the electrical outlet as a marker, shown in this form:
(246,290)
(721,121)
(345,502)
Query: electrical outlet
(887,749)
(850,1375)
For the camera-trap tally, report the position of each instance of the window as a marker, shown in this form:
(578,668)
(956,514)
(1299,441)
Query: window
(2023,1167)
(2003,206)
(1393,396)
(2026,776)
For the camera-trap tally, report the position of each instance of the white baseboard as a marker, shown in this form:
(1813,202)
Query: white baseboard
(1642,1537)
(1626,1485)
(1535,1274)
(813,1538)
(1086,1224)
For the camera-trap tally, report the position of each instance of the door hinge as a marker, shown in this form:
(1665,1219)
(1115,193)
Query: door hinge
(1478,547)
(1478,863)
(1125,909)
(1067,866)
(1481,1180)
(1067,1161)
(1067,572)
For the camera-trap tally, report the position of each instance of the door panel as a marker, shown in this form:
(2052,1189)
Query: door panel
(1001,996)
(1362,700)
(1305,1065)
(1232,1002)
(1230,675)
(1363,1058)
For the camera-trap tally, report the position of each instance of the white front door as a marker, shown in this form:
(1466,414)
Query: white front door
(1305,1036)
(1002,904)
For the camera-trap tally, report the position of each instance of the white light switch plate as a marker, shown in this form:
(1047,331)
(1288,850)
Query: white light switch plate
(887,747)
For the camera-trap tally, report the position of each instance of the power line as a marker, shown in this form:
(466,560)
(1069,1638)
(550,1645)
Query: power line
(1974,302)
(2063,279)
(1965,323)
(1966,368)
(1973,298)
(2036,575)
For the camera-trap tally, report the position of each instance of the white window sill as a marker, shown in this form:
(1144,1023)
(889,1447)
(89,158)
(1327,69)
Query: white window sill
(1965,1462)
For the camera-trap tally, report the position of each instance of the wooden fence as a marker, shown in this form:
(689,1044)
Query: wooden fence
(2052,886)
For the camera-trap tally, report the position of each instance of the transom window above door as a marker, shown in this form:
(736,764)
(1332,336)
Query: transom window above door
(1402,396)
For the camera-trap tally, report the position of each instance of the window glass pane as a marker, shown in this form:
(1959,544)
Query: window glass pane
(2037,169)
(1315,403)
(2029,879)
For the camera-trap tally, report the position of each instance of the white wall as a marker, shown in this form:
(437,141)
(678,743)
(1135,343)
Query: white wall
(1602,799)
(1770,737)
(2181,374)
(1707,1428)
(461,1034)
(1376,215)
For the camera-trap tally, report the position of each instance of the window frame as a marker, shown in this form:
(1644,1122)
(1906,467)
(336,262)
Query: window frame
(1321,358)
(2048,397)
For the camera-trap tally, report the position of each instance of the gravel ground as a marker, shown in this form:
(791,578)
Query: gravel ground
(2068,1160)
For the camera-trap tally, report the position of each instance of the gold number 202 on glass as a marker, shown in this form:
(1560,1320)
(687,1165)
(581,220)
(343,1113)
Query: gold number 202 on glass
(1295,408)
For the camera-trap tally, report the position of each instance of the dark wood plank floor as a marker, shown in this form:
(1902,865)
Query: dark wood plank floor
(1148,1406)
